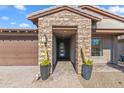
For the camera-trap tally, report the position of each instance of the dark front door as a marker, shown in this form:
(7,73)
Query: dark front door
(63,49)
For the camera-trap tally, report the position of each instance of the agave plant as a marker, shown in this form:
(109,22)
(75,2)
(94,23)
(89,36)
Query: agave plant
(88,62)
(45,63)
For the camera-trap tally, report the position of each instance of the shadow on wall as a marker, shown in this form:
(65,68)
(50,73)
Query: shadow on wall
(83,58)
(54,66)
(116,66)
(82,55)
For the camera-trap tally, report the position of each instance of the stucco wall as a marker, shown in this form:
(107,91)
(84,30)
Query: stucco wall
(107,49)
(66,18)
(120,48)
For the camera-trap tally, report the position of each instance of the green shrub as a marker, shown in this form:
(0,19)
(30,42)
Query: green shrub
(45,63)
(88,62)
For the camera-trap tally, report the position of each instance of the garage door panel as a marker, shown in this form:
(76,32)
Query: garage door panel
(18,52)
(18,62)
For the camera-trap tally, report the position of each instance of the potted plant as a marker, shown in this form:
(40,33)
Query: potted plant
(45,64)
(87,65)
(87,69)
(45,69)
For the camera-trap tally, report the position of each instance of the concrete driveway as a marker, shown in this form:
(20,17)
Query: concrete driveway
(64,76)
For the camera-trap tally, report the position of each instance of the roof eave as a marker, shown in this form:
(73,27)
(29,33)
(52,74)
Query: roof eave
(35,16)
(109,14)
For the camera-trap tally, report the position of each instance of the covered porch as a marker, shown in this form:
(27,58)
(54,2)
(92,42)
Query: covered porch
(110,46)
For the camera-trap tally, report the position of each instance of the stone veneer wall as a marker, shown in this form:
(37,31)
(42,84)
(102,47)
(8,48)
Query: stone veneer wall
(66,18)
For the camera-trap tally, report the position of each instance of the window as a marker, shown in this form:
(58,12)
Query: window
(97,47)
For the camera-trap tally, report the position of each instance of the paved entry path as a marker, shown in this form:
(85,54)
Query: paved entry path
(64,76)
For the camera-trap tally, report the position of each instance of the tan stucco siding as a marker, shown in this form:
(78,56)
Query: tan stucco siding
(107,50)
(120,48)
(110,24)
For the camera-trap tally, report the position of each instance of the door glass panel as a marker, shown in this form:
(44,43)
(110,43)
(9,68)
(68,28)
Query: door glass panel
(61,50)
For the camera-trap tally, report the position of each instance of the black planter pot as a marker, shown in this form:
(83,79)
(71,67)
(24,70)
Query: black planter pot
(86,71)
(45,72)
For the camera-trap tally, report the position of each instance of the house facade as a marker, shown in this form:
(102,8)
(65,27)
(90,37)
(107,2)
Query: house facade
(68,29)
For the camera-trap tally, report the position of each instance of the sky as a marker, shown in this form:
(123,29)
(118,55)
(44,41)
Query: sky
(15,16)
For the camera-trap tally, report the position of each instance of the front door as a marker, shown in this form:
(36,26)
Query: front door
(63,49)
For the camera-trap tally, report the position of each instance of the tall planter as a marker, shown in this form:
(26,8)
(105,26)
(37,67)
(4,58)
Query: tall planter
(87,65)
(45,71)
(87,71)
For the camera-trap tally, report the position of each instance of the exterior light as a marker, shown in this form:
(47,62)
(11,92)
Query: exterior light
(44,39)
(120,37)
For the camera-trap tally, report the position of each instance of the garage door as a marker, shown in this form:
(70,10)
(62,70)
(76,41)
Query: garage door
(18,51)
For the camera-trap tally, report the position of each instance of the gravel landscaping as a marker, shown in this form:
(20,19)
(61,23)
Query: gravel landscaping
(64,76)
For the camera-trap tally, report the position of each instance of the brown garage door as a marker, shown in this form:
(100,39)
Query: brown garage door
(18,50)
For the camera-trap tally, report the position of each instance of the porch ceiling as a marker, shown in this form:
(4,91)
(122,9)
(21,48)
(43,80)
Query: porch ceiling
(64,33)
